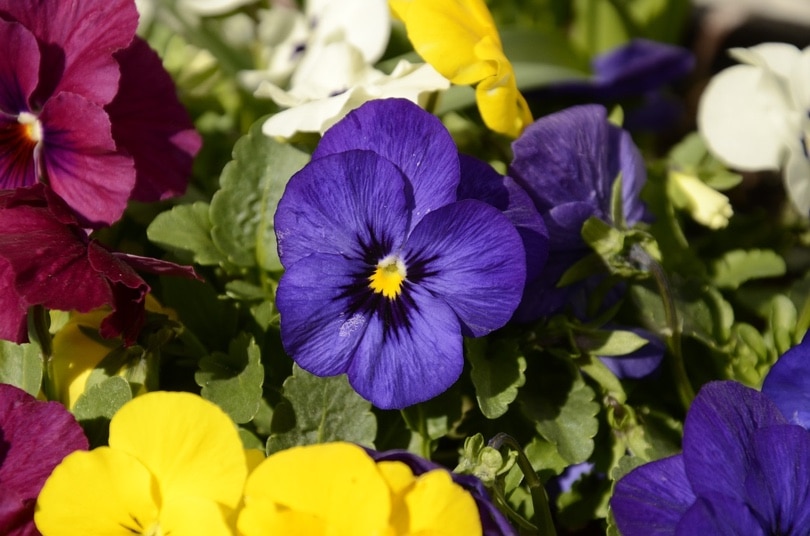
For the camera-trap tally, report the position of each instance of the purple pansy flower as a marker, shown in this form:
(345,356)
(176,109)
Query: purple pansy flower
(34,437)
(46,258)
(493,522)
(568,162)
(788,383)
(86,107)
(744,470)
(385,268)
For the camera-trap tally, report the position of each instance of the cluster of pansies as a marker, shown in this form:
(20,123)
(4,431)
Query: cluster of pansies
(443,270)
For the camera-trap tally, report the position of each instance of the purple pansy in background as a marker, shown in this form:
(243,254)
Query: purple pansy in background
(788,383)
(34,437)
(86,107)
(568,162)
(46,258)
(385,269)
(493,522)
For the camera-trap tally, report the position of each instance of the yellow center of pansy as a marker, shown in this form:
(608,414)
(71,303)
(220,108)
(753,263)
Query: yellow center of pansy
(388,277)
(31,126)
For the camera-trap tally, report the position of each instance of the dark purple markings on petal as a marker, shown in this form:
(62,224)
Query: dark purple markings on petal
(717,436)
(81,162)
(405,368)
(471,256)
(77,41)
(788,384)
(719,515)
(18,154)
(778,484)
(650,500)
(413,139)
(150,124)
(19,66)
(352,204)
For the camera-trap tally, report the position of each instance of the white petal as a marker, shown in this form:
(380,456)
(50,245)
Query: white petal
(800,81)
(366,24)
(776,57)
(314,116)
(327,69)
(409,81)
(797,179)
(743,125)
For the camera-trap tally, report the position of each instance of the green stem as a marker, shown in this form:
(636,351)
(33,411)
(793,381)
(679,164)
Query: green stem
(542,512)
(38,324)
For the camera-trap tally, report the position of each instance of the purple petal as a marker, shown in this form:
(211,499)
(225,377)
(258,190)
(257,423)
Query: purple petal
(19,67)
(319,330)
(13,312)
(717,436)
(81,162)
(401,365)
(778,485)
(719,515)
(650,500)
(353,204)
(469,255)
(77,41)
(151,125)
(788,384)
(479,181)
(18,165)
(408,136)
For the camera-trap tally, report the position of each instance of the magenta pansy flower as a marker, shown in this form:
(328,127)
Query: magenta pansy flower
(34,437)
(46,258)
(86,107)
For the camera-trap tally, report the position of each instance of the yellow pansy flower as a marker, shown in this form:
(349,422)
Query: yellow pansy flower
(460,40)
(175,465)
(338,489)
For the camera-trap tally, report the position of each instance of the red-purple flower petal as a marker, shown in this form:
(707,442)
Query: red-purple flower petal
(19,67)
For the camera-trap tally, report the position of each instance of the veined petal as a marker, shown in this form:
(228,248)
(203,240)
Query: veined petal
(650,500)
(19,67)
(104,491)
(437,505)
(407,360)
(353,204)
(414,140)
(788,385)
(719,515)
(190,445)
(719,426)
(471,256)
(81,162)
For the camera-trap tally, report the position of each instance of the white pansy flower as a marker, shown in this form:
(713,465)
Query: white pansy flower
(754,116)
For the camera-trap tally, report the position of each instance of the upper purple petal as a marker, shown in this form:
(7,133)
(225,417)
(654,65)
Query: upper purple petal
(19,67)
(150,124)
(413,139)
(788,384)
(77,42)
(469,255)
(717,436)
(353,204)
(719,515)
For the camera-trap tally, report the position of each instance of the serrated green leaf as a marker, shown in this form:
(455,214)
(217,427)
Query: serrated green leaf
(96,406)
(186,231)
(325,409)
(21,366)
(738,266)
(497,373)
(233,381)
(251,185)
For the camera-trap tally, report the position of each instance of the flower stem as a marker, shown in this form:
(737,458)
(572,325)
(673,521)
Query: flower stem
(38,324)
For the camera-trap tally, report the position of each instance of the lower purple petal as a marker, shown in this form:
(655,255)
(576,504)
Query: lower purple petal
(788,384)
(718,515)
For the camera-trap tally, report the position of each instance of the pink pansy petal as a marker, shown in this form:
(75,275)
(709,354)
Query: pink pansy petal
(151,125)
(17,164)
(12,311)
(81,162)
(157,266)
(77,41)
(19,67)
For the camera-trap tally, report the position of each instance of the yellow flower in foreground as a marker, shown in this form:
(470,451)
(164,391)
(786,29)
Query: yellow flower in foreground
(175,466)
(339,490)
(460,40)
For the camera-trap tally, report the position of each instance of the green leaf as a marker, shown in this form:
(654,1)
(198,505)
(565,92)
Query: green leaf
(497,373)
(186,231)
(432,419)
(597,26)
(21,366)
(96,406)
(251,186)
(233,381)
(738,266)
(324,409)
(607,343)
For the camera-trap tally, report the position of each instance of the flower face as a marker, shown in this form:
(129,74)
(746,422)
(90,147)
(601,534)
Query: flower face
(88,109)
(175,465)
(339,489)
(755,116)
(34,437)
(568,162)
(385,269)
(460,40)
(744,470)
